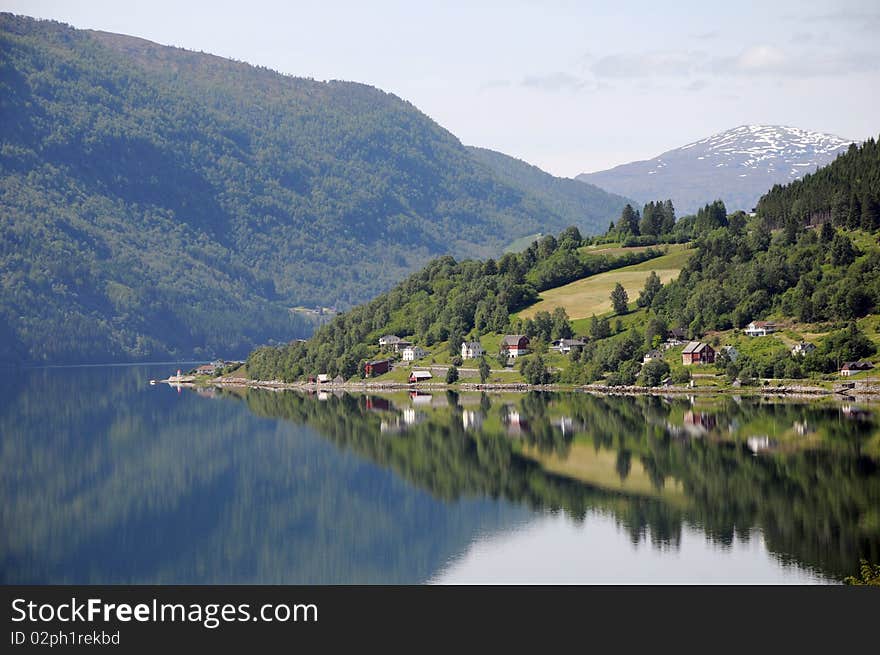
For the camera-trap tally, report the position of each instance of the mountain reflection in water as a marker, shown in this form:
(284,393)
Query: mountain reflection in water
(108,480)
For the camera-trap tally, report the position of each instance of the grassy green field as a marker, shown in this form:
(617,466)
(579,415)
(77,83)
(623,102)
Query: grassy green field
(591,295)
(612,250)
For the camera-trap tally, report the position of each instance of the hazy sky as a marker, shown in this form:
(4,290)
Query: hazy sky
(569,86)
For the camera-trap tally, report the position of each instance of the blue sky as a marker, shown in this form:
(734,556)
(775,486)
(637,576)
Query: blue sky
(569,86)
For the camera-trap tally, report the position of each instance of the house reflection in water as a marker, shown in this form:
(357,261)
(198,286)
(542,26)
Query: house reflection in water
(517,425)
(802,428)
(471,420)
(412,417)
(421,398)
(377,404)
(855,413)
(566,425)
(760,443)
(695,424)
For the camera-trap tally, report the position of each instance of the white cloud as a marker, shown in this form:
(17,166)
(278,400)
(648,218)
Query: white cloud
(558,81)
(649,64)
(754,61)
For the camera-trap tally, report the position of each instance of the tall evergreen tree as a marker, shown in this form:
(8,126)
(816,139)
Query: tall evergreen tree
(619,299)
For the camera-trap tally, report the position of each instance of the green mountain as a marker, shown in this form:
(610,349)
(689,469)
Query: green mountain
(160,202)
(588,206)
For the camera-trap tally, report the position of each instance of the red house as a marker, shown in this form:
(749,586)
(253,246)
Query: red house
(697,353)
(377,367)
(515,345)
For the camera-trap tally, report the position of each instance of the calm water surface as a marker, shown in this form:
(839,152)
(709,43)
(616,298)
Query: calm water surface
(108,480)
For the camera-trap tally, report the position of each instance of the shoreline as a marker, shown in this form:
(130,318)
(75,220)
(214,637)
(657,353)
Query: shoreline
(870,392)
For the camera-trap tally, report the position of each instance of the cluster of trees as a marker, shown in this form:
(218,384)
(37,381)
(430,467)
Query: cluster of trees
(656,222)
(846,192)
(150,209)
(743,271)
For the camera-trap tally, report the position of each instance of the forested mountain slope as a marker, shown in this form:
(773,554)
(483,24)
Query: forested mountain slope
(160,202)
(588,207)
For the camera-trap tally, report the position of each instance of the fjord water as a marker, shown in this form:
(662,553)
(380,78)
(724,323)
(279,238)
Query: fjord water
(106,479)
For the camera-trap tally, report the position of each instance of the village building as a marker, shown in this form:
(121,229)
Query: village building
(412,353)
(206,369)
(696,352)
(419,376)
(760,328)
(377,367)
(565,346)
(803,348)
(514,345)
(652,356)
(851,368)
(676,335)
(323,378)
(388,341)
(471,350)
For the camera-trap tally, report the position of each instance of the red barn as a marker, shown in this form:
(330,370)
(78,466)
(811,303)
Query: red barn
(377,367)
(697,353)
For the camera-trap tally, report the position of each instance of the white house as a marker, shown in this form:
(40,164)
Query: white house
(412,353)
(323,378)
(651,356)
(803,348)
(471,350)
(565,346)
(388,341)
(760,328)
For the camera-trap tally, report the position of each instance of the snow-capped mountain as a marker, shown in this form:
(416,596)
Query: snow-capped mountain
(737,165)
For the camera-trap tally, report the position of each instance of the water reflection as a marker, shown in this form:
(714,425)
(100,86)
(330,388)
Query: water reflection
(108,480)
(802,474)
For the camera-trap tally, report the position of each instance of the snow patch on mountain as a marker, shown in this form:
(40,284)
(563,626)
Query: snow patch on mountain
(737,165)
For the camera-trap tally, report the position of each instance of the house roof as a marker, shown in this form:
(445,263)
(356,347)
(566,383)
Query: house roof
(472,344)
(763,324)
(413,348)
(513,339)
(390,338)
(569,342)
(856,366)
(378,361)
(694,347)
(423,375)
(653,354)
(678,332)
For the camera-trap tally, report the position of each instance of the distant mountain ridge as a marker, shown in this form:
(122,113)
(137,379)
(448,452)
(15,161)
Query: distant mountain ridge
(158,202)
(565,196)
(736,165)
